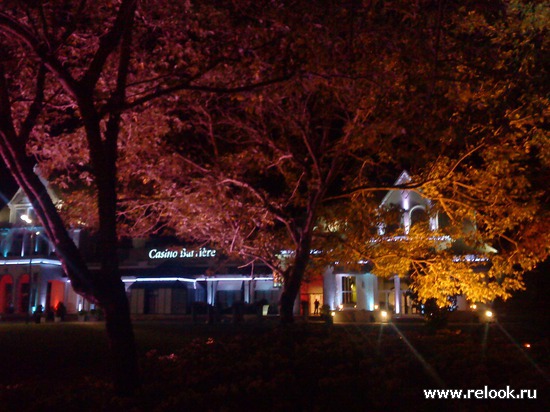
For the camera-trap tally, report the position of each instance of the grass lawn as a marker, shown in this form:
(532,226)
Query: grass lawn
(263,367)
(57,352)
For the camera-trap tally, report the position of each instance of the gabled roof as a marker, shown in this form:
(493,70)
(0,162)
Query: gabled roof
(21,199)
(403,178)
(407,199)
(393,196)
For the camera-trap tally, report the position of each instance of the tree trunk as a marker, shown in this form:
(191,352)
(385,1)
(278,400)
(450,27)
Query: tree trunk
(121,340)
(291,289)
(293,280)
(115,302)
(112,295)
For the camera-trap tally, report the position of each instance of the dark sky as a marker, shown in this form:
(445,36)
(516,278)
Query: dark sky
(7,185)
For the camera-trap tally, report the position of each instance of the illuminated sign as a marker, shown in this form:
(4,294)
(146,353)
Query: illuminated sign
(182,253)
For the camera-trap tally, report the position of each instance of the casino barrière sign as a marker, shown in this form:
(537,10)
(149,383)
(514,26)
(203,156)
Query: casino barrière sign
(182,253)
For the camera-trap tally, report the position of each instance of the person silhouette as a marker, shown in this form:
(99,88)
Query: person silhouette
(316,303)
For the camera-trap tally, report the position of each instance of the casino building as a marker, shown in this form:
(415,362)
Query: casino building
(363,291)
(163,277)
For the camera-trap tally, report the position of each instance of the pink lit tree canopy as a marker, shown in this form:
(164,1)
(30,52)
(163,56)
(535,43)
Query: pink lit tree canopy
(85,88)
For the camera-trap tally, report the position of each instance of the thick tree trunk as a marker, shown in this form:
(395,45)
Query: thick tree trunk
(121,340)
(288,297)
(115,302)
(293,280)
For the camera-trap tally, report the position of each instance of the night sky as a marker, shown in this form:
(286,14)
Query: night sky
(7,185)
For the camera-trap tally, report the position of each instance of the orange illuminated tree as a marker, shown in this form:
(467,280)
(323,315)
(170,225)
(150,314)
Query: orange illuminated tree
(478,147)
(455,94)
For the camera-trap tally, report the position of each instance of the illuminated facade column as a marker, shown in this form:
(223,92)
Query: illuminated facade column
(25,241)
(366,291)
(397,285)
(376,297)
(211,289)
(338,291)
(329,288)
(247,285)
(405,204)
(371,286)
(434,222)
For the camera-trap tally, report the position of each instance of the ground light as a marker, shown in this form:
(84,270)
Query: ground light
(382,316)
(489,316)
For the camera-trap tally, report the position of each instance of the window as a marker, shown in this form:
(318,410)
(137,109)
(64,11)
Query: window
(349,290)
